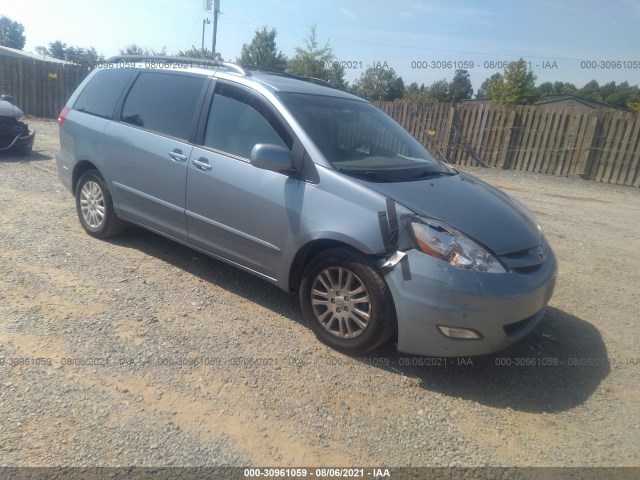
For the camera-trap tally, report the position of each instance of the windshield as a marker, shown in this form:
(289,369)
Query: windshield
(360,140)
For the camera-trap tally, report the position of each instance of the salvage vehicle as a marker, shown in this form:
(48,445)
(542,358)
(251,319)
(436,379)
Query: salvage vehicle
(14,134)
(314,190)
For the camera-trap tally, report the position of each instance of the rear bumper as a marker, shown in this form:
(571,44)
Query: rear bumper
(502,308)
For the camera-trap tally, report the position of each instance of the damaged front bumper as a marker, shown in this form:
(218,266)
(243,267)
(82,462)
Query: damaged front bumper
(15,135)
(433,299)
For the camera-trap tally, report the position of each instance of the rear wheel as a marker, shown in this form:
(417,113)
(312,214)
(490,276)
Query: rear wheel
(346,301)
(95,207)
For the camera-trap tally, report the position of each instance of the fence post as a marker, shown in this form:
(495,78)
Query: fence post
(506,154)
(585,162)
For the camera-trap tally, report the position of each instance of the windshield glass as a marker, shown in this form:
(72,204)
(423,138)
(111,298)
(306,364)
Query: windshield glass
(360,140)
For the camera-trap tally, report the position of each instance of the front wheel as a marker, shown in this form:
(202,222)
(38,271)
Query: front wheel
(346,301)
(95,207)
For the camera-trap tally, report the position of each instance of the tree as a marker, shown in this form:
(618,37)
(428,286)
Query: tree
(439,90)
(44,51)
(460,87)
(517,86)
(379,83)
(484,92)
(11,33)
(335,77)
(262,51)
(317,62)
(134,49)
(412,88)
(204,53)
(591,91)
(58,49)
(545,88)
(62,51)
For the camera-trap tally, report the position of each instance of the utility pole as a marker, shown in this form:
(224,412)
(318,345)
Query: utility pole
(216,10)
(205,21)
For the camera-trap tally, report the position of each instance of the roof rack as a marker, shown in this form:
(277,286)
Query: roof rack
(203,62)
(282,73)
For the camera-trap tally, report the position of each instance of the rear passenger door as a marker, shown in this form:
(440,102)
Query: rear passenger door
(235,210)
(150,147)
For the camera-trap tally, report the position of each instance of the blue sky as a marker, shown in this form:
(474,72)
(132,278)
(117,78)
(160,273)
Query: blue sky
(557,34)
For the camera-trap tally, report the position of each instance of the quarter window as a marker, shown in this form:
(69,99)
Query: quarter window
(101,95)
(164,103)
(235,127)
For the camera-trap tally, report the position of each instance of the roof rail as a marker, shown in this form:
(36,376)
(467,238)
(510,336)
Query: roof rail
(282,73)
(200,62)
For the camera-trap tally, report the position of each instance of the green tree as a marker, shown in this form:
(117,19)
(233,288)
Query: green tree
(134,49)
(545,88)
(623,95)
(608,89)
(412,88)
(317,62)
(44,51)
(11,33)
(379,83)
(484,92)
(440,90)
(591,91)
(563,87)
(204,53)
(517,86)
(262,51)
(58,49)
(62,51)
(460,87)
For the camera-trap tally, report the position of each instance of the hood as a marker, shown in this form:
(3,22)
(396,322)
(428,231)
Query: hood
(9,110)
(484,213)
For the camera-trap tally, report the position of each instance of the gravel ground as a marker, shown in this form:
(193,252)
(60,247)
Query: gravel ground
(195,363)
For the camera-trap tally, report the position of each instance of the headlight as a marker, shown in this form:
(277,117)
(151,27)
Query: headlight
(446,243)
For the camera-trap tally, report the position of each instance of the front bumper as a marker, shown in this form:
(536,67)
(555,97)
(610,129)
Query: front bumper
(19,141)
(502,307)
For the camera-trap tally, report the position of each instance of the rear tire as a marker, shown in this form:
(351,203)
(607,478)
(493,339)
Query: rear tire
(346,302)
(95,207)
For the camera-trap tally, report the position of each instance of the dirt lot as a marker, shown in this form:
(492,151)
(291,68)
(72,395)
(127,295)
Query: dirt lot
(92,334)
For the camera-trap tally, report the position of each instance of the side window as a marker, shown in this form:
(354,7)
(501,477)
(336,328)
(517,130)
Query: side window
(235,127)
(164,103)
(101,95)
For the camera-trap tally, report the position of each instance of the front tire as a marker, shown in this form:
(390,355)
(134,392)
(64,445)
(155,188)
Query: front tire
(346,302)
(95,207)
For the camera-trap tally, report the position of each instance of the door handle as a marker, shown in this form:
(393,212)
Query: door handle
(177,155)
(202,163)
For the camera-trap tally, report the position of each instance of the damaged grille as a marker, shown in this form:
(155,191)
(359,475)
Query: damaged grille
(528,260)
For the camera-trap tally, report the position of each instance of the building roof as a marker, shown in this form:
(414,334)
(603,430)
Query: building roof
(586,102)
(12,52)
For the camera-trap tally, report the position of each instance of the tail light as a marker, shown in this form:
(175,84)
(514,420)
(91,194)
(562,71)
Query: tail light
(63,116)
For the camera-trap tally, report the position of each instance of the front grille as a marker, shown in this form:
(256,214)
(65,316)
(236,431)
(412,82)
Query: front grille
(528,260)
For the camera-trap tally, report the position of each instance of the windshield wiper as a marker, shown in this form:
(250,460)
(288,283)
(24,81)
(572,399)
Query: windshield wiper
(432,174)
(371,175)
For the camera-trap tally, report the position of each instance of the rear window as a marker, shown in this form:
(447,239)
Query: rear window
(164,103)
(100,96)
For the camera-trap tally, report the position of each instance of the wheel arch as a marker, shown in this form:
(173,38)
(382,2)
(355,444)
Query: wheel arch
(313,248)
(81,167)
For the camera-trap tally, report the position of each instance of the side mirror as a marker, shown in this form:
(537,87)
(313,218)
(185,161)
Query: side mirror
(271,157)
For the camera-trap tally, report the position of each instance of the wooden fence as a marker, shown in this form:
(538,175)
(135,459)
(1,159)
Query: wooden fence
(39,88)
(595,145)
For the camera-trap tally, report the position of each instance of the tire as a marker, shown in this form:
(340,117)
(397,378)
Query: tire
(95,207)
(334,290)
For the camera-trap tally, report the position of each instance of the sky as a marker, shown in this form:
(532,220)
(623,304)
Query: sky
(422,40)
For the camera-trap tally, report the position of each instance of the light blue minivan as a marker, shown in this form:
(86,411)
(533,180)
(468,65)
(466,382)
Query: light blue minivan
(314,190)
